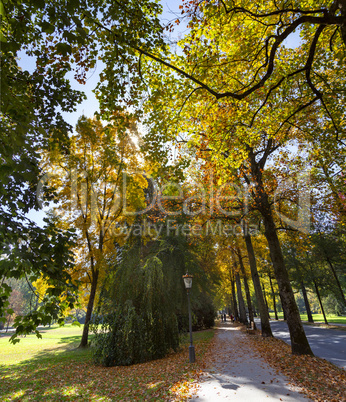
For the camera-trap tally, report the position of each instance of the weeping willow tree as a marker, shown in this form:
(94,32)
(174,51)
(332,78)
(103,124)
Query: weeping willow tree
(136,319)
(142,307)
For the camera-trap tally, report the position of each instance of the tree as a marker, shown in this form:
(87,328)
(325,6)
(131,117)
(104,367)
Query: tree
(95,195)
(294,248)
(246,285)
(257,31)
(143,300)
(329,247)
(16,303)
(309,270)
(265,92)
(216,127)
(263,309)
(138,320)
(247,152)
(50,247)
(333,305)
(31,105)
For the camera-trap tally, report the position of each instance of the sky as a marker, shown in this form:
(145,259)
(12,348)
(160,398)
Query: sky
(90,105)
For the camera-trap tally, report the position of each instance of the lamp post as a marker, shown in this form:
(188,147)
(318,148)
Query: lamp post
(188,284)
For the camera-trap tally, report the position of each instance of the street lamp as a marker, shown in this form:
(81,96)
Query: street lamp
(188,285)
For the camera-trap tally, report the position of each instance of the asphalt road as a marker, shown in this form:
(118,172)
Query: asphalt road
(330,344)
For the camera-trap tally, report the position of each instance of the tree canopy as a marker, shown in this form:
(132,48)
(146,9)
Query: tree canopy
(228,105)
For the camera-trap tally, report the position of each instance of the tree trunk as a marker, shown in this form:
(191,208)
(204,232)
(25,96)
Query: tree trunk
(337,280)
(299,342)
(236,313)
(283,310)
(246,287)
(231,308)
(242,311)
(84,341)
(265,325)
(320,301)
(273,297)
(8,323)
(265,301)
(307,304)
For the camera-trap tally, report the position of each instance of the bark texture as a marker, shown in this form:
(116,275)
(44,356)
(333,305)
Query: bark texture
(299,342)
(235,305)
(246,287)
(84,340)
(242,311)
(273,297)
(265,325)
(306,301)
(320,301)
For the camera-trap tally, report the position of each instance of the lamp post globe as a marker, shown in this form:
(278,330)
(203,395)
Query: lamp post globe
(188,281)
(188,285)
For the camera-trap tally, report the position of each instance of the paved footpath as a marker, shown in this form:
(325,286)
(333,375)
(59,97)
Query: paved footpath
(237,373)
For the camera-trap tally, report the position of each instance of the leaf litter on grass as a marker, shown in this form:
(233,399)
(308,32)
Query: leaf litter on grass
(171,378)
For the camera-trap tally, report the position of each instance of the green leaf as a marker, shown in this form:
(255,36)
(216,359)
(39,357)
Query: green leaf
(2,10)
(47,27)
(64,48)
(39,3)
(2,37)
(39,336)
(14,339)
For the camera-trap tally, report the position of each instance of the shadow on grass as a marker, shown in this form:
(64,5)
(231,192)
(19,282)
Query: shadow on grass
(71,339)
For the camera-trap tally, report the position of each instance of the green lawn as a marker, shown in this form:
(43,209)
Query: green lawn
(57,343)
(53,369)
(332,319)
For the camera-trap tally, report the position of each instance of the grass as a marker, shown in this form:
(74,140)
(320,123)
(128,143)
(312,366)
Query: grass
(53,369)
(57,343)
(332,319)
